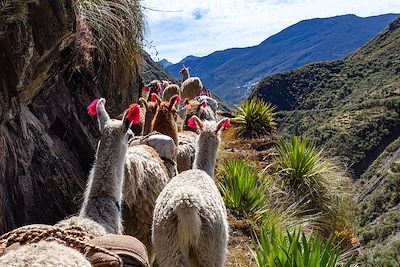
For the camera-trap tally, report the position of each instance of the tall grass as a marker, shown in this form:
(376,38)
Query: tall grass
(117,28)
(242,189)
(306,173)
(281,248)
(255,119)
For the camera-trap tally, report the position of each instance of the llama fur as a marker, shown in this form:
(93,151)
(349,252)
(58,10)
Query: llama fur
(46,254)
(190,227)
(170,91)
(165,120)
(191,86)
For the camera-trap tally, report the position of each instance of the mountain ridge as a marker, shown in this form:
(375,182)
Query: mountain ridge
(233,72)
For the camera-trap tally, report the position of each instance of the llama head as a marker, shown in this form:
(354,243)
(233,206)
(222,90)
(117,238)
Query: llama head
(209,130)
(167,109)
(113,130)
(185,72)
(150,108)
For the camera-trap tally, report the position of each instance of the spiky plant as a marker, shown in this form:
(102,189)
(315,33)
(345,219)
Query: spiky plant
(117,28)
(255,119)
(281,248)
(13,11)
(241,189)
(306,173)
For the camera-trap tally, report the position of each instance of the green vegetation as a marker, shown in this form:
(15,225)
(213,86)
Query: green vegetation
(255,119)
(318,181)
(293,249)
(350,107)
(242,189)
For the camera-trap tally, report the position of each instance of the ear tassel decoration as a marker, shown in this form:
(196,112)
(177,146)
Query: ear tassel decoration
(192,123)
(134,114)
(159,90)
(91,109)
(226,124)
(147,89)
(204,104)
(178,99)
(153,98)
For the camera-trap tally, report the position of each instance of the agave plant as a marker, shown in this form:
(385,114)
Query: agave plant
(241,189)
(255,119)
(281,248)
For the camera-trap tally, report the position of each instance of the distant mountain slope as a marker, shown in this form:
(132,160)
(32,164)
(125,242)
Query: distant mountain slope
(352,108)
(165,63)
(233,72)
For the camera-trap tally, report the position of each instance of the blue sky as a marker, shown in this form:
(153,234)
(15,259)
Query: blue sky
(200,27)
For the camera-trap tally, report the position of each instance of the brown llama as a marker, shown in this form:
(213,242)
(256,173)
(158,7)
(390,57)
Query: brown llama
(148,111)
(165,120)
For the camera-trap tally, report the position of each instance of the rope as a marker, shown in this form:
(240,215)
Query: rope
(73,236)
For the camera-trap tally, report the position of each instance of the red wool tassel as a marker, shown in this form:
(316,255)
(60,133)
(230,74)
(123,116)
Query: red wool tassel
(91,109)
(159,90)
(147,89)
(192,123)
(226,124)
(204,104)
(178,99)
(153,98)
(134,114)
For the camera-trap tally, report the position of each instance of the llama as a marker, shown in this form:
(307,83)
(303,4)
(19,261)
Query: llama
(146,174)
(100,213)
(154,87)
(188,135)
(190,227)
(165,120)
(147,113)
(170,91)
(191,86)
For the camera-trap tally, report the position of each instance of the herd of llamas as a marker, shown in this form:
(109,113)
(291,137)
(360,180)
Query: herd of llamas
(152,180)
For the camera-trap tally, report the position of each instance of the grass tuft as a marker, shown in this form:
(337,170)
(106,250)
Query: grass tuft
(255,119)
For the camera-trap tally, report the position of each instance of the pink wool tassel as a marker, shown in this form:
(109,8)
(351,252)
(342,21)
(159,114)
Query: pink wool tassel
(159,89)
(192,123)
(134,114)
(178,99)
(204,104)
(153,98)
(226,124)
(147,89)
(91,109)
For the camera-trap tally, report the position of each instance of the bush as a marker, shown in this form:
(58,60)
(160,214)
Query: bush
(241,189)
(306,173)
(286,249)
(255,119)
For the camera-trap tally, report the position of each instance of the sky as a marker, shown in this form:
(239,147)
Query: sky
(178,28)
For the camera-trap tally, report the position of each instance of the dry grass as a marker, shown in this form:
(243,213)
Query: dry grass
(13,11)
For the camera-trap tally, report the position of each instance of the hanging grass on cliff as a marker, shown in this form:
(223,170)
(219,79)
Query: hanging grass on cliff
(117,29)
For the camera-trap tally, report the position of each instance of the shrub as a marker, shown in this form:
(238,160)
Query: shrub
(241,189)
(255,119)
(286,249)
(306,173)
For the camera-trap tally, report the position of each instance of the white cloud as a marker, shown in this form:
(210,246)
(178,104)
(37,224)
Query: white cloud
(201,27)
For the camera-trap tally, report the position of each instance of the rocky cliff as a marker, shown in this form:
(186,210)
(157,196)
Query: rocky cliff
(49,72)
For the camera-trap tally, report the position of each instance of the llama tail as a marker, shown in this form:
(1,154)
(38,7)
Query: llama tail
(189,226)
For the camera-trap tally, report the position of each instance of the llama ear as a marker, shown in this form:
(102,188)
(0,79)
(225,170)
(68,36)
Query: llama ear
(156,97)
(223,124)
(173,100)
(102,115)
(144,102)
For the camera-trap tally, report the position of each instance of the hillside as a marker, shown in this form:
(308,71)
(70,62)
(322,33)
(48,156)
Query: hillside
(352,108)
(233,72)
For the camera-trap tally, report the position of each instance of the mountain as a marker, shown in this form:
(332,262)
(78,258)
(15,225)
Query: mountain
(233,72)
(351,107)
(165,63)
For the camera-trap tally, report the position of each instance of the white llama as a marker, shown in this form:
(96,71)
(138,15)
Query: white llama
(190,227)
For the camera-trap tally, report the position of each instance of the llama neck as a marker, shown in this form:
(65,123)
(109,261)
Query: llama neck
(103,195)
(166,127)
(185,76)
(147,123)
(206,156)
